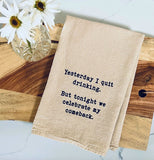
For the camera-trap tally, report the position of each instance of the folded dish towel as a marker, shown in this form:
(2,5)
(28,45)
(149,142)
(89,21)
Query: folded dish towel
(89,86)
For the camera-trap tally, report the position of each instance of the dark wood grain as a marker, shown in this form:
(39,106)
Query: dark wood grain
(1,43)
(30,78)
(144,80)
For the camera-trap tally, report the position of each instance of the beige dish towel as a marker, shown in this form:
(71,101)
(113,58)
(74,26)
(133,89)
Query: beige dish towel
(89,86)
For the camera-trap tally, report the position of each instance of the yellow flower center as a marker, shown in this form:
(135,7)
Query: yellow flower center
(15,22)
(39,5)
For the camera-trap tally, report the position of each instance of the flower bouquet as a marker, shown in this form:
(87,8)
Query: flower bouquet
(26,26)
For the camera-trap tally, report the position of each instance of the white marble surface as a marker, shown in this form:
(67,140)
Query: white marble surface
(16,141)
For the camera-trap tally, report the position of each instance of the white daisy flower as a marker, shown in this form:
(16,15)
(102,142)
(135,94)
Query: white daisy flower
(14,23)
(42,11)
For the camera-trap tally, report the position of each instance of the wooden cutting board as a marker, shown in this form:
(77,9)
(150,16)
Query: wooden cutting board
(22,85)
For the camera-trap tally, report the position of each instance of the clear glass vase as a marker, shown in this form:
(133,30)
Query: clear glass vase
(34,51)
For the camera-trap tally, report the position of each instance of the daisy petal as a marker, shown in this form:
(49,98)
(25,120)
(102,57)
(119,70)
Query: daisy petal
(5,12)
(15,7)
(46,25)
(21,14)
(5,31)
(21,34)
(7,5)
(1,3)
(11,37)
(50,1)
(53,10)
(36,18)
(28,3)
(48,20)
(4,20)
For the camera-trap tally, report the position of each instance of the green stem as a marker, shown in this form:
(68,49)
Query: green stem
(29,45)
